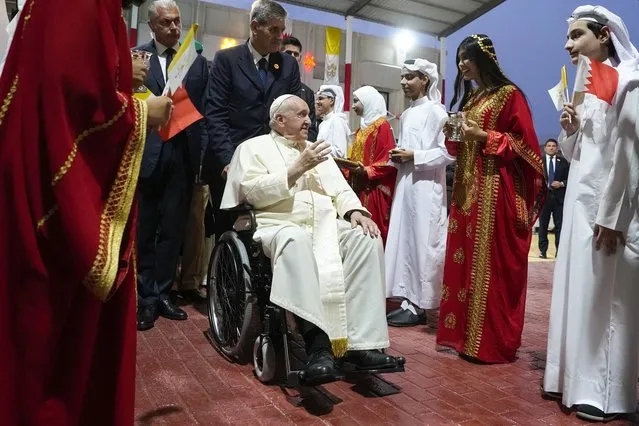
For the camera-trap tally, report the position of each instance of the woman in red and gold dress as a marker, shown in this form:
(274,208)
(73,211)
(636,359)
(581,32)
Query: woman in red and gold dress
(374,179)
(497,192)
(71,141)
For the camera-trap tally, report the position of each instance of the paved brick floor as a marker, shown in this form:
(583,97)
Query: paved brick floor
(181,380)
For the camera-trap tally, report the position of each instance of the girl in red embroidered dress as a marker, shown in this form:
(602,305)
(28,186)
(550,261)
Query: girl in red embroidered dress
(374,179)
(497,192)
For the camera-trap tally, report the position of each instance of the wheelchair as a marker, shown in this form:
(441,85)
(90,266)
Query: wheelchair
(243,322)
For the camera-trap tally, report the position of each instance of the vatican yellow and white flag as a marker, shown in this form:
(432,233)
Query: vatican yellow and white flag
(559,93)
(331,63)
(182,62)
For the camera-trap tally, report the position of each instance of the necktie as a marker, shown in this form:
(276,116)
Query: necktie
(170,52)
(262,66)
(551,170)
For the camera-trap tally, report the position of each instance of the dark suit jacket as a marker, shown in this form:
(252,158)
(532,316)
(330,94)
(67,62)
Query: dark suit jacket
(562,167)
(196,134)
(307,94)
(238,103)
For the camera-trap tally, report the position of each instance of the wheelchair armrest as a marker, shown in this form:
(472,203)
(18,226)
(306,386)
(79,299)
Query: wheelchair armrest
(244,218)
(240,208)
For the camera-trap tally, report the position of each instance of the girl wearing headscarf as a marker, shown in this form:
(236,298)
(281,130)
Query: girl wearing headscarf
(334,128)
(417,234)
(593,340)
(374,179)
(497,193)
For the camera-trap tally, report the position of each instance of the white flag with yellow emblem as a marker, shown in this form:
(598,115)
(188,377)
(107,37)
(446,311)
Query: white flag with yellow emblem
(331,63)
(559,93)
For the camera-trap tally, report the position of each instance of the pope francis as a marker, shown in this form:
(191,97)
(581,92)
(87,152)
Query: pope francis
(325,253)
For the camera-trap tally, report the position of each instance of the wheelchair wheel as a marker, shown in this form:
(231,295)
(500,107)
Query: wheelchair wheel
(233,310)
(264,358)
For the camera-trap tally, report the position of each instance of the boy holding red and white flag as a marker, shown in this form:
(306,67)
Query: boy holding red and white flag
(593,339)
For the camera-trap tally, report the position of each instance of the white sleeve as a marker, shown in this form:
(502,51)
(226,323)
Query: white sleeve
(619,196)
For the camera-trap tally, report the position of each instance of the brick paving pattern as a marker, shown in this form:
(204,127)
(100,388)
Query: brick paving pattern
(182,380)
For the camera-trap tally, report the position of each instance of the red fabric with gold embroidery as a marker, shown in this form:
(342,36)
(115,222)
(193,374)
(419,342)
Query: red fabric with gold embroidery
(375,190)
(497,193)
(71,141)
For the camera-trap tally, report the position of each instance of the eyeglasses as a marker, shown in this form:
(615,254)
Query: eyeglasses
(294,53)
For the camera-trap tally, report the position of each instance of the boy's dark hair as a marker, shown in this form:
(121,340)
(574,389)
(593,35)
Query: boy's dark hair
(289,39)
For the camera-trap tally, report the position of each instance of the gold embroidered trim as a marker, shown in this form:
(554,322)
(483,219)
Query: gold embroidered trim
(521,208)
(445,293)
(46,217)
(82,136)
(27,16)
(115,216)
(452,226)
(482,254)
(7,100)
(459,257)
(461,295)
(450,321)
(469,230)
(357,147)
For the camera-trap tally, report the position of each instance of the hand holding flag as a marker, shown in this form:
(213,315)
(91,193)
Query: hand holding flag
(184,112)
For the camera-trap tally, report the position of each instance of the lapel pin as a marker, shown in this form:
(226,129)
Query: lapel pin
(276,66)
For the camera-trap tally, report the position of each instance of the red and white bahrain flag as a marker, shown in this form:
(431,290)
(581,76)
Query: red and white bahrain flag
(597,79)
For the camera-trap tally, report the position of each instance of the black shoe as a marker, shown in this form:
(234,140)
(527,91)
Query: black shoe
(371,360)
(193,296)
(406,319)
(321,368)
(392,314)
(170,311)
(554,396)
(593,414)
(147,316)
(542,255)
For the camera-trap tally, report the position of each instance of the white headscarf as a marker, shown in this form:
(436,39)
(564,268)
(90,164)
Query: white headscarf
(374,105)
(277,105)
(338,107)
(626,52)
(428,69)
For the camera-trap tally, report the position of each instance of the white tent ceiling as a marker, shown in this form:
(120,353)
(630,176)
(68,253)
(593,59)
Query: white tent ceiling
(435,17)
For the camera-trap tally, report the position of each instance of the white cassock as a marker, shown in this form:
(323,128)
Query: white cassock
(593,338)
(334,130)
(324,271)
(416,242)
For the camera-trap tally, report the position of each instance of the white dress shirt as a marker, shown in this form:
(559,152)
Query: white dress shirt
(162,55)
(257,55)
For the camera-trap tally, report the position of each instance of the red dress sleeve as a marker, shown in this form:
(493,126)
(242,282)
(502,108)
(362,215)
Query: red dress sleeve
(377,147)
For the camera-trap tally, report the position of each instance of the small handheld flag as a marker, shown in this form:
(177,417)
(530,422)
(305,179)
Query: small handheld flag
(596,78)
(559,93)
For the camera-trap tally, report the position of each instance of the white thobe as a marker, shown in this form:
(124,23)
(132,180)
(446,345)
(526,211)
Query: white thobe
(593,338)
(416,243)
(334,130)
(299,231)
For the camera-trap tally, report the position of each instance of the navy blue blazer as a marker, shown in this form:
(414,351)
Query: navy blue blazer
(238,103)
(196,134)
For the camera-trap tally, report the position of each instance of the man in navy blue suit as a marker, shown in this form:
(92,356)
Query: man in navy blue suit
(244,82)
(167,174)
(556,169)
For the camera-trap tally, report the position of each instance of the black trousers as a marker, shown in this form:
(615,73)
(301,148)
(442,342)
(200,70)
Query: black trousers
(164,200)
(554,206)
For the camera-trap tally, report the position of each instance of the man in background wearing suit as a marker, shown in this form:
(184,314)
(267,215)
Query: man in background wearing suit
(244,82)
(167,174)
(556,169)
(293,47)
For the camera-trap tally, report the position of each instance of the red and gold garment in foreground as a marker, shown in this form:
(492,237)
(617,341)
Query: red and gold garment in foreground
(375,190)
(497,192)
(71,142)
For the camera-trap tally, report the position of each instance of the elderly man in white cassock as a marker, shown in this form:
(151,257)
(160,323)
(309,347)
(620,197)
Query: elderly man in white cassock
(593,340)
(326,257)
(416,242)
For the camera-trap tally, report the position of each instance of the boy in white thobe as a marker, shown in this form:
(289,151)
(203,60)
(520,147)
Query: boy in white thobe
(416,244)
(326,271)
(334,126)
(593,339)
